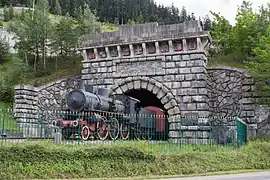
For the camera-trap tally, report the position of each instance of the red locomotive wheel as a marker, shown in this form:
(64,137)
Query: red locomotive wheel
(102,129)
(114,129)
(124,131)
(85,133)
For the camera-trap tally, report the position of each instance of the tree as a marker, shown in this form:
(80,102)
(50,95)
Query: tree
(4,50)
(221,32)
(45,27)
(245,34)
(10,74)
(261,65)
(65,36)
(11,12)
(55,7)
(58,9)
(6,14)
(183,15)
(87,22)
(207,23)
(33,34)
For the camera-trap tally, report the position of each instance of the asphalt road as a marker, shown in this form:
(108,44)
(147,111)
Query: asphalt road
(245,176)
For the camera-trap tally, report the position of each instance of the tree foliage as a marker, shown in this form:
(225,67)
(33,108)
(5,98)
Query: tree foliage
(261,65)
(115,11)
(10,74)
(65,36)
(4,50)
(244,36)
(248,40)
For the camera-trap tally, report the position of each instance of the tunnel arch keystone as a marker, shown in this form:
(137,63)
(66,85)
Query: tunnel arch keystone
(157,88)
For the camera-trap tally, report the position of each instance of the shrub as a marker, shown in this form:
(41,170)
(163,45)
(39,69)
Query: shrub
(48,161)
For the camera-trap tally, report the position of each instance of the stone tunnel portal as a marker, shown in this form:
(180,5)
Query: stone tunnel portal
(151,94)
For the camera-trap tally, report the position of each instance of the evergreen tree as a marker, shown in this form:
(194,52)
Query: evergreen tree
(55,7)
(183,15)
(65,36)
(4,49)
(6,14)
(11,12)
(58,9)
(207,24)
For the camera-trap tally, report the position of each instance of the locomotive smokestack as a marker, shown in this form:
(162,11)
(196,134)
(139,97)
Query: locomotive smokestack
(82,84)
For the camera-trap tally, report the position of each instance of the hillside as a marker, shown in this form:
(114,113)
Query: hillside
(243,45)
(113,11)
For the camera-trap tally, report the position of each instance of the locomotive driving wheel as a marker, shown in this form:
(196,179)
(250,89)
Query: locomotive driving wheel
(85,133)
(124,130)
(114,129)
(102,129)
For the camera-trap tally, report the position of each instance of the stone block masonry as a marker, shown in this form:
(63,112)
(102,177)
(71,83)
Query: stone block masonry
(173,55)
(33,106)
(25,110)
(170,62)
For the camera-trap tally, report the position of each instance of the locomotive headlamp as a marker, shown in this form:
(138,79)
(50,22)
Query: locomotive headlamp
(75,123)
(54,123)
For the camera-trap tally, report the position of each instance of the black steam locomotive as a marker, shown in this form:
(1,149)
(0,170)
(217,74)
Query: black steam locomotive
(91,113)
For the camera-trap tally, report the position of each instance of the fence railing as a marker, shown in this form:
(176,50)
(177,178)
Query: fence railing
(104,128)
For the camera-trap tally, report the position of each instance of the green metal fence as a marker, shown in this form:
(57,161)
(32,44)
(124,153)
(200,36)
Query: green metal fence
(61,127)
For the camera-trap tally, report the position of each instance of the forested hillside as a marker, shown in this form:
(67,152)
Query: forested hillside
(114,11)
(48,37)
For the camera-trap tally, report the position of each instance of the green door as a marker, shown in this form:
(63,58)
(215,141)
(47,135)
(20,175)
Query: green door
(241,132)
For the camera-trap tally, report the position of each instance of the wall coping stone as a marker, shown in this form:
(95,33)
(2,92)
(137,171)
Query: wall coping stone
(25,87)
(144,32)
(229,68)
(57,82)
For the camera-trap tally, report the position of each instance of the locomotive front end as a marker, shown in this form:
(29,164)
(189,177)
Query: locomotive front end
(77,100)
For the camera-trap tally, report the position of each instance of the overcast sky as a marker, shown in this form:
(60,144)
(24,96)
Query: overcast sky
(227,8)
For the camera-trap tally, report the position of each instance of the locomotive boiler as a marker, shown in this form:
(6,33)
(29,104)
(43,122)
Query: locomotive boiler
(79,100)
(91,113)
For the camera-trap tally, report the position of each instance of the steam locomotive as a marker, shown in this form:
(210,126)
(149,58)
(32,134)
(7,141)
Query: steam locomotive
(91,113)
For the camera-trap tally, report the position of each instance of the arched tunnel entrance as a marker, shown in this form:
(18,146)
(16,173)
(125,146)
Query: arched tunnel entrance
(151,93)
(146,98)
(153,116)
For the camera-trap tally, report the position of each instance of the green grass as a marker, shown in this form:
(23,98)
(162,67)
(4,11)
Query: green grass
(7,122)
(45,160)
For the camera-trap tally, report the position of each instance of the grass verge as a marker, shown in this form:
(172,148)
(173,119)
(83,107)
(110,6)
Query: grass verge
(44,160)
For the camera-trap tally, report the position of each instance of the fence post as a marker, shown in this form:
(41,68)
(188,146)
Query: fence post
(41,122)
(181,132)
(79,127)
(58,136)
(3,121)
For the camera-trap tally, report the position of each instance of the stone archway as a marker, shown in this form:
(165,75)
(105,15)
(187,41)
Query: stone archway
(157,88)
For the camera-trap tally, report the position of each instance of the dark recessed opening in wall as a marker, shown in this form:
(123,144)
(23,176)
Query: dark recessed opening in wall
(146,98)
(159,124)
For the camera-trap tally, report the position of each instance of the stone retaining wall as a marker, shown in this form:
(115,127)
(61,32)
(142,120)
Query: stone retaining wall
(231,93)
(33,106)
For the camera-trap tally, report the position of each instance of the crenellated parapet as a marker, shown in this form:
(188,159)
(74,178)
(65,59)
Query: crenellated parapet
(145,40)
